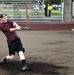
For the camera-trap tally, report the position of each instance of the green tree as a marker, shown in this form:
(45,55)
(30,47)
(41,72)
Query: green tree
(47,1)
(56,1)
(52,1)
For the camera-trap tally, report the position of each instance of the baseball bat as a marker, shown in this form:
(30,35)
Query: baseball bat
(25,28)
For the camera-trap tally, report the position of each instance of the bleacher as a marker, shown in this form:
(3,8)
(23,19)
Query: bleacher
(16,9)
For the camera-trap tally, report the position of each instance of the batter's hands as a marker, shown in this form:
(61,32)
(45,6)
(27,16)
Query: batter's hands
(25,28)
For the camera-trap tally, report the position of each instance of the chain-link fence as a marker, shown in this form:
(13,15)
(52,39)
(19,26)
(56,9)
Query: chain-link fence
(16,9)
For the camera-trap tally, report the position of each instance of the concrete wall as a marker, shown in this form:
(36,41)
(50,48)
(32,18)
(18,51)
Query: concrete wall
(49,25)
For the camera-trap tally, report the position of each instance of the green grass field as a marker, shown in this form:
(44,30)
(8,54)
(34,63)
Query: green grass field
(56,13)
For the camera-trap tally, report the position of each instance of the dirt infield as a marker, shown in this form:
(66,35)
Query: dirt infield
(47,53)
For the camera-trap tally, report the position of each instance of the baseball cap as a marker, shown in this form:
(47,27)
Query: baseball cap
(2,15)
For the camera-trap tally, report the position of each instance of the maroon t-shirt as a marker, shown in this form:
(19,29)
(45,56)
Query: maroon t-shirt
(5,28)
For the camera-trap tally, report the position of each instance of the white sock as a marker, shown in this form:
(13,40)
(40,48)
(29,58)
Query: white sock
(21,55)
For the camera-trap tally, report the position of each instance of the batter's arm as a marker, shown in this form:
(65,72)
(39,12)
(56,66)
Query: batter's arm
(16,27)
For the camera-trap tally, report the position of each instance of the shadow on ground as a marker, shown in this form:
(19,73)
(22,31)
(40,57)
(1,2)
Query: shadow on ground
(41,68)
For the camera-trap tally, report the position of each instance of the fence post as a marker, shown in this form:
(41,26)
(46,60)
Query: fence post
(27,18)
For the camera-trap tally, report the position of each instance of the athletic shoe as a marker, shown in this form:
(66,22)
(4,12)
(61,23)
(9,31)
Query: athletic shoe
(3,61)
(25,68)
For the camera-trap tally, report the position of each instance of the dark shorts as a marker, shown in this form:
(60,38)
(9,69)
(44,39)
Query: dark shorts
(15,46)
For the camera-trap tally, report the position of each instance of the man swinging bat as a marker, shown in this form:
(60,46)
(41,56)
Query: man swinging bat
(9,28)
